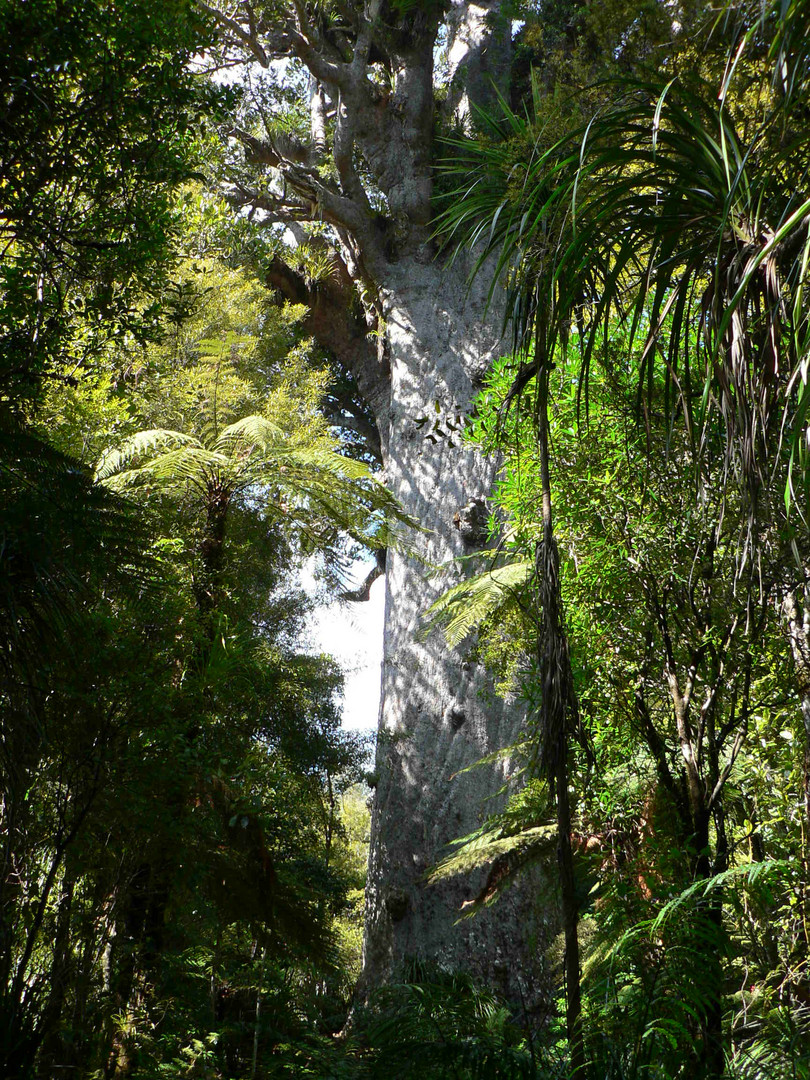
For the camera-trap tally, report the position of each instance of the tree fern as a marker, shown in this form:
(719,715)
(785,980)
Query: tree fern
(257,453)
(118,461)
(464,607)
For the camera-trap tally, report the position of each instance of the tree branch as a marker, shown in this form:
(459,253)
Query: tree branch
(247,37)
(348,107)
(352,421)
(655,744)
(325,201)
(283,210)
(363,592)
(724,775)
(335,324)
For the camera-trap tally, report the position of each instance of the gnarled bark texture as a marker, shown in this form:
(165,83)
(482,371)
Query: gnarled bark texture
(417,343)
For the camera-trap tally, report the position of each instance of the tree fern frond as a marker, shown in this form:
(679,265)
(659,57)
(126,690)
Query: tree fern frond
(251,430)
(465,606)
(143,442)
(322,457)
(192,464)
(483,847)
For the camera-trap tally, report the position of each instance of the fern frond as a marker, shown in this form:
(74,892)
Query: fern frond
(483,847)
(144,442)
(252,430)
(516,751)
(192,464)
(326,461)
(749,875)
(262,440)
(465,606)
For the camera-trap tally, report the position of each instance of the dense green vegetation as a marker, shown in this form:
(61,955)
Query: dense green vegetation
(184,822)
(656,486)
(183,834)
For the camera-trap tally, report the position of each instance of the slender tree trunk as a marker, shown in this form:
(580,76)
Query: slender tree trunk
(796,617)
(123,965)
(52,1051)
(558,718)
(257,1023)
(208,579)
(709,944)
(797,623)
(570,916)
(714,1057)
(702,774)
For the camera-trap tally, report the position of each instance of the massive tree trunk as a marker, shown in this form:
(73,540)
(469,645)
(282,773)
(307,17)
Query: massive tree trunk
(417,343)
(438,713)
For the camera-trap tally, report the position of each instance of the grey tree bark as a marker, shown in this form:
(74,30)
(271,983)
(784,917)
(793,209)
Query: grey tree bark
(438,713)
(417,343)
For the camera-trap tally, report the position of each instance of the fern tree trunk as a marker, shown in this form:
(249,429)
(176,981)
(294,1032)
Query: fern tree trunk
(208,585)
